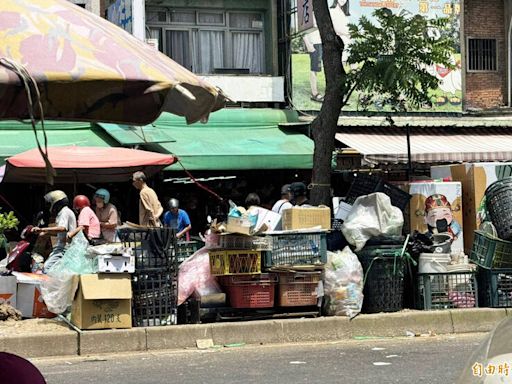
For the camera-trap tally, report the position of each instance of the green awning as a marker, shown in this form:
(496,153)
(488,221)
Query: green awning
(236,139)
(17,137)
(136,135)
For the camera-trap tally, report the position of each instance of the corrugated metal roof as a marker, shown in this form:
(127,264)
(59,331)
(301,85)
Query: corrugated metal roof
(429,145)
(424,121)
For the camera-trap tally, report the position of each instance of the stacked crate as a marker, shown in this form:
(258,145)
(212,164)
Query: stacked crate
(237,264)
(494,257)
(155,281)
(292,251)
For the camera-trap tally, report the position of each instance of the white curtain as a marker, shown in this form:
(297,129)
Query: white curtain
(247,51)
(177,47)
(211,51)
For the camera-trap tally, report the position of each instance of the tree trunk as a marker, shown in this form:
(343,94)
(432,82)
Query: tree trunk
(325,124)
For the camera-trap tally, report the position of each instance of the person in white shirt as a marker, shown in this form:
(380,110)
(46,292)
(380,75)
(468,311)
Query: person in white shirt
(284,203)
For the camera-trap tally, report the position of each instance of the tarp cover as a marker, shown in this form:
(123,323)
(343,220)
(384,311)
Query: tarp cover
(83,164)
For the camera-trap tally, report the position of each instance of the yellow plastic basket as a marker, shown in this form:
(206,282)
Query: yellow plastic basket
(235,262)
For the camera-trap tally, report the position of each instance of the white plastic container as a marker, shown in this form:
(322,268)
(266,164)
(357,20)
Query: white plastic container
(434,262)
(116,264)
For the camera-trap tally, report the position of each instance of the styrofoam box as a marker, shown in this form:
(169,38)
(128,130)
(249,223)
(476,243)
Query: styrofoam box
(116,264)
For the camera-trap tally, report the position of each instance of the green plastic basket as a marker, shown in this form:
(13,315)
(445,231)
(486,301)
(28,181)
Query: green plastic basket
(491,252)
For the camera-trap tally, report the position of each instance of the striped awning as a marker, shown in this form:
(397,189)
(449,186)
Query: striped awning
(387,145)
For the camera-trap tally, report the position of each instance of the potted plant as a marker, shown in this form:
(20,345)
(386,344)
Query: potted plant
(7,221)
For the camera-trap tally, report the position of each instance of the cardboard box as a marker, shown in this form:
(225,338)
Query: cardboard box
(266,217)
(8,290)
(29,300)
(475,178)
(421,205)
(116,263)
(240,225)
(299,218)
(103,301)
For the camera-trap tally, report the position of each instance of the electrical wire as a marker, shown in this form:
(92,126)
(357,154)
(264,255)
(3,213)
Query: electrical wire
(33,97)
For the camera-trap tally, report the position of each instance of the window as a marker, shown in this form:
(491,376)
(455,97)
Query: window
(482,55)
(210,41)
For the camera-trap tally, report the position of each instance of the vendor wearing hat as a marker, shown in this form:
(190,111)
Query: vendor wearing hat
(439,216)
(299,197)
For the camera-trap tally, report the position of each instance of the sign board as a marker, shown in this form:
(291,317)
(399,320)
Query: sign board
(307,66)
(305,19)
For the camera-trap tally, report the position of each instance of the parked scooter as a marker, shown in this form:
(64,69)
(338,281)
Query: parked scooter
(20,258)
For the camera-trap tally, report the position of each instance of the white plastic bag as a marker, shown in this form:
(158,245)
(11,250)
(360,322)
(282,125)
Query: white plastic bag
(343,283)
(372,215)
(195,276)
(59,290)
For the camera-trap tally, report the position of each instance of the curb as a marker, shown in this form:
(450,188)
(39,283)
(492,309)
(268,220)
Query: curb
(71,342)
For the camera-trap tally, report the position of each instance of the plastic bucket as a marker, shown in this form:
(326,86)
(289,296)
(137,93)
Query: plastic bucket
(433,262)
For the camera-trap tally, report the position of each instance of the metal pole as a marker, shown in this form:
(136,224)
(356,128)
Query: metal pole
(409,156)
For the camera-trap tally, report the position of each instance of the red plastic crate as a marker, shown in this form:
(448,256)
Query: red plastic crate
(298,289)
(250,291)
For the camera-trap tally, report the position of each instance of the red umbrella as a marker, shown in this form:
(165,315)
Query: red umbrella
(83,164)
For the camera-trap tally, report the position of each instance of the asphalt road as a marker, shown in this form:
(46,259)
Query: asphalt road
(438,359)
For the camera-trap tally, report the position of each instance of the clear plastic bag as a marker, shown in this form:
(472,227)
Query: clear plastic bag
(372,215)
(195,276)
(343,283)
(75,258)
(58,291)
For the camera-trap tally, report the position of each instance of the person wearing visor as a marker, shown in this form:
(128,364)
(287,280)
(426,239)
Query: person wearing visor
(178,219)
(107,215)
(57,204)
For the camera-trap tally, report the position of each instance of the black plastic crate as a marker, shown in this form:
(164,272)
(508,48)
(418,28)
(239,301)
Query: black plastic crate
(153,248)
(155,298)
(305,248)
(366,184)
(363,185)
(498,198)
(448,290)
(495,287)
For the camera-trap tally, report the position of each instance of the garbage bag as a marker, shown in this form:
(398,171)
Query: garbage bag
(59,290)
(195,276)
(372,215)
(343,284)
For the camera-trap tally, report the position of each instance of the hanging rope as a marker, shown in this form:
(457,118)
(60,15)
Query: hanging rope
(204,187)
(33,97)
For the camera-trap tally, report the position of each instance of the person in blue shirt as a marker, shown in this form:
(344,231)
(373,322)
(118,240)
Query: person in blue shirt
(178,219)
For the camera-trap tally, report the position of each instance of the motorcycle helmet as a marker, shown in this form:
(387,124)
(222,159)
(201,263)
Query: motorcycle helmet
(54,197)
(81,201)
(174,203)
(104,194)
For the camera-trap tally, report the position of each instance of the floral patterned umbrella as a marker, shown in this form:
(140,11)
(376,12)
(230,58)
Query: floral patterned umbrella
(87,68)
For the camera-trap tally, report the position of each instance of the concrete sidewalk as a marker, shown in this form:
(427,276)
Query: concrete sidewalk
(45,338)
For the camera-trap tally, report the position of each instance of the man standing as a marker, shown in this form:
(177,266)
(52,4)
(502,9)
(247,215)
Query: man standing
(150,208)
(178,219)
(57,203)
(284,203)
(298,191)
(107,215)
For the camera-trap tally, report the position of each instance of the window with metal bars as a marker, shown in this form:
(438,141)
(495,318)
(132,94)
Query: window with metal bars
(482,55)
